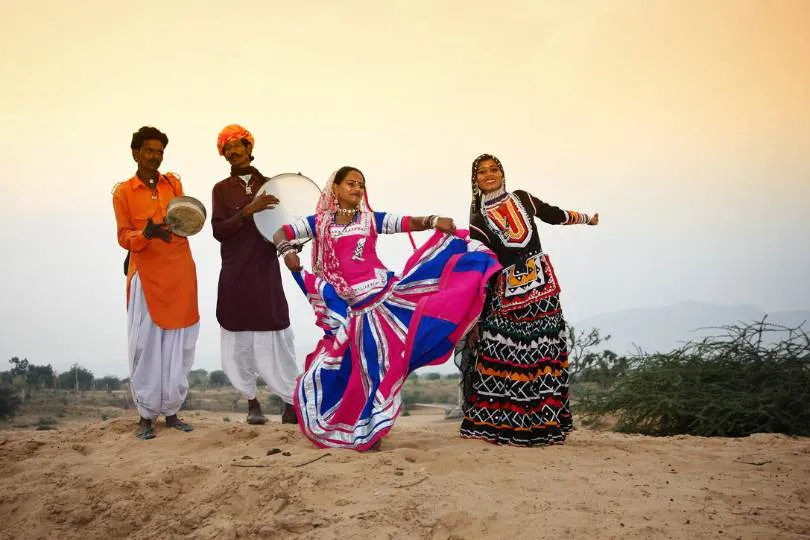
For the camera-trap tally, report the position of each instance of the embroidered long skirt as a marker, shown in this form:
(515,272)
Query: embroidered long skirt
(516,379)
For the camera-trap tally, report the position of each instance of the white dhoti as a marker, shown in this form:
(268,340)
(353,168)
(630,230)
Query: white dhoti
(269,355)
(159,360)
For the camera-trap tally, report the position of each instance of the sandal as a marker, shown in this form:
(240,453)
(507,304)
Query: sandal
(145,432)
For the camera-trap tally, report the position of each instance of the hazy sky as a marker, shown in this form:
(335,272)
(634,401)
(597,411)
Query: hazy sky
(685,123)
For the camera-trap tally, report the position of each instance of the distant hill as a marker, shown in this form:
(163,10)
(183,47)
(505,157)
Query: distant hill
(664,328)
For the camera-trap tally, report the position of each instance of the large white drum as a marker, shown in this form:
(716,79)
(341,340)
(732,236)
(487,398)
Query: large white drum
(297,195)
(185,215)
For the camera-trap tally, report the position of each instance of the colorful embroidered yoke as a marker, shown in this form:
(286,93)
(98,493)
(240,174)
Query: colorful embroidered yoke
(516,379)
(349,394)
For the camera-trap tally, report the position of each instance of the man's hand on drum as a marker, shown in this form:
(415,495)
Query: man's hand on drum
(262,202)
(157,230)
(293,262)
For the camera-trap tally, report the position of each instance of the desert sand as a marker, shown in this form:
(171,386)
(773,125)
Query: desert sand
(97,481)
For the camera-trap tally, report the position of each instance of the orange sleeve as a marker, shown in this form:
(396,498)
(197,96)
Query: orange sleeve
(129,237)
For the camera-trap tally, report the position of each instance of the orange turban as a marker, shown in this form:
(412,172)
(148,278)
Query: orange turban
(230,133)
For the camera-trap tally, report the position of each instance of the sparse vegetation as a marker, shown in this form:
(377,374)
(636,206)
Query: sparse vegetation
(274,404)
(45,423)
(754,378)
(198,379)
(433,390)
(9,403)
(218,379)
(76,378)
(109,384)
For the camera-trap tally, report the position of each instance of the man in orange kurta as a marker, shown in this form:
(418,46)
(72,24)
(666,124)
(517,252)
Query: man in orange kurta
(162,313)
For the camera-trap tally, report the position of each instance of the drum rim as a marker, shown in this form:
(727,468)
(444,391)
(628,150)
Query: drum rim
(277,176)
(186,201)
(294,174)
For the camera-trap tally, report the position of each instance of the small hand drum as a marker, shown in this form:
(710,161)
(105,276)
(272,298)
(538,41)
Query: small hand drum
(185,216)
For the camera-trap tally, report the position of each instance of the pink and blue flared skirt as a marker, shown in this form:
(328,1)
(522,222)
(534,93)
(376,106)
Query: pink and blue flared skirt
(349,393)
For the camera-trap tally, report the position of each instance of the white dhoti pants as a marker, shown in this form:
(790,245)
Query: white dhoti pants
(159,360)
(269,355)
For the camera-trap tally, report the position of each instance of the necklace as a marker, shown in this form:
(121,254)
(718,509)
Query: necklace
(346,211)
(247,180)
(344,226)
(151,184)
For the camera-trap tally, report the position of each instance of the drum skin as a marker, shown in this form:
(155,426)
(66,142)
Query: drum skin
(297,197)
(185,215)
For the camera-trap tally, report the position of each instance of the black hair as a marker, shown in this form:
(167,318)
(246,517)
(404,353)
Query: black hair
(343,171)
(475,204)
(147,133)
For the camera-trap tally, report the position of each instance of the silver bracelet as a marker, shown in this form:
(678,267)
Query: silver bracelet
(285,247)
(433,221)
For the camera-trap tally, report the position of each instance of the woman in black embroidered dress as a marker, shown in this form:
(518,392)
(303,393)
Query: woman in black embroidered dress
(515,374)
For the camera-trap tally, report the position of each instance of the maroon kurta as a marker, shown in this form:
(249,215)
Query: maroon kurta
(250,295)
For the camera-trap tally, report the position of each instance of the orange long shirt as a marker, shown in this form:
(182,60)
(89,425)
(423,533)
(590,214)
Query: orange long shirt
(166,270)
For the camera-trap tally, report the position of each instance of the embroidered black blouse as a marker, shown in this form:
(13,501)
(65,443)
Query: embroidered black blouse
(506,225)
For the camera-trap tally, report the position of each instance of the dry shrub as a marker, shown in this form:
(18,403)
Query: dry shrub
(755,378)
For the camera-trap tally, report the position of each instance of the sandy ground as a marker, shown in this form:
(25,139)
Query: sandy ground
(98,481)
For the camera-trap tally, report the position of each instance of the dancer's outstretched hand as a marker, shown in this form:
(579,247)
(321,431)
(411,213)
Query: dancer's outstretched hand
(446,225)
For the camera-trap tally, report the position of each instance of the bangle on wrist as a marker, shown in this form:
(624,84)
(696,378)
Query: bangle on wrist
(434,220)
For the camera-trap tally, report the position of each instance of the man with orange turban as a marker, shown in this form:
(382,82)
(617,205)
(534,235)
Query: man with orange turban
(256,338)
(234,132)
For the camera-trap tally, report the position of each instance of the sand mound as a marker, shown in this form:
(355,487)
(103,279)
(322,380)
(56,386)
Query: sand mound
(231,480)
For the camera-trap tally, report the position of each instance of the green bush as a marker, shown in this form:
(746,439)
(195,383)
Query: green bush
(9,403)
(218,379)
(753,379)
(410,398)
